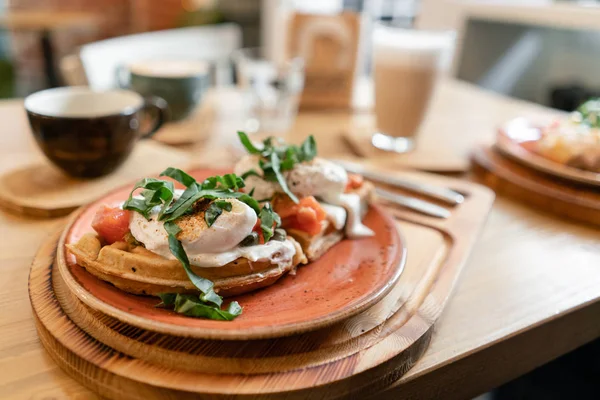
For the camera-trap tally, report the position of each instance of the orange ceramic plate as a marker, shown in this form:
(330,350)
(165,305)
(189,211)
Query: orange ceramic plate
(515,136)
(351,277)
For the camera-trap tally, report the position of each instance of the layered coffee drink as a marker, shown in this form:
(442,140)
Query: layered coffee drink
(406,66)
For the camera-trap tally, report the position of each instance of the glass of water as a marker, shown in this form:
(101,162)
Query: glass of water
(271,89)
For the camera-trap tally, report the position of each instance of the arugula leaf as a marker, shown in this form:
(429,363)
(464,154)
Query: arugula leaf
(168,299)
(277,157)
(203,284)
(214,210)
(180,208)
(589,112)
(194,306)
(280,179)
(290,159)
(251,172)
(225,182)
(269,220)
(308,149)
(179,175)
(138,205)
(247,143)
(156,192)
(250,201)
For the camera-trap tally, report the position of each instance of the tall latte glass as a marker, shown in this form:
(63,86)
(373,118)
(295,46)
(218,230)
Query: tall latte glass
(407,65)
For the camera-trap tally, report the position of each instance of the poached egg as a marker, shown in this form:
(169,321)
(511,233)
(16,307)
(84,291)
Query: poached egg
(212,246)
(320,178)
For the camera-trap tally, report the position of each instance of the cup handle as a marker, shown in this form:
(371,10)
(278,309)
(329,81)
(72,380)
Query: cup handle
(162,114)
(122,77)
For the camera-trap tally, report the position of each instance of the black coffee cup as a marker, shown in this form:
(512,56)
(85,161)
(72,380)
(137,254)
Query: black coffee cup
(87,133)
(181,83)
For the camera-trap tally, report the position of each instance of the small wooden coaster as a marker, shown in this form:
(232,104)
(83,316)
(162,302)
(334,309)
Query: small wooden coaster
(40,190)
(427,156)
(542,191)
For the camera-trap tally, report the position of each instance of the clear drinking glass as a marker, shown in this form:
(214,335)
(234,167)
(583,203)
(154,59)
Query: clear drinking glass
(271,89)
(406,68)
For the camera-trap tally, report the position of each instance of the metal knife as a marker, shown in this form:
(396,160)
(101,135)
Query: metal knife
(443,194)
(421,206)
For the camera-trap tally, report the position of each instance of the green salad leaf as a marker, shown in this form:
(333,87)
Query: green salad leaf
(204,285)
(276,158)
(193,306)
(156,192)
(588,113)
(214,210)
(269,221)
(179,175)
(276,168)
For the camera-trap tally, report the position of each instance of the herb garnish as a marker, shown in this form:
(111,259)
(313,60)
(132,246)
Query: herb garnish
(269,220)
(214,210)
(189,305)
(275,159)
(157,192)
(588,113)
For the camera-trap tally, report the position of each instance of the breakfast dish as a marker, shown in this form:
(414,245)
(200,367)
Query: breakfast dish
(569,142)
(225,240)
(225,235)
(346,280)
(318,201)
(565,148)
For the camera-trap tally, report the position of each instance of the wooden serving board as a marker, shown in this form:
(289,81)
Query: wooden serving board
(545,192)
(355,357)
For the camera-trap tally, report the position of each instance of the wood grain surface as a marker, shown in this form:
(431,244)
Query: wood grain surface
(544,192)
(355,357)
(529,293)
(38,190)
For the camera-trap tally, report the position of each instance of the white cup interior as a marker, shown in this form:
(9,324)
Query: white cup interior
(82,102)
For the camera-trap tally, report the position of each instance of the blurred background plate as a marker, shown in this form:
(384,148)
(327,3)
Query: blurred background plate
(514,133)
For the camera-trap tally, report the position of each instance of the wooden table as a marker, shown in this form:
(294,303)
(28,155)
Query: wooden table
(44,23)
(530,292)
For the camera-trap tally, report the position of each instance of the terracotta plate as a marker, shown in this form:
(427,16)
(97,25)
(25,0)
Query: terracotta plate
(351,277)
(512,140)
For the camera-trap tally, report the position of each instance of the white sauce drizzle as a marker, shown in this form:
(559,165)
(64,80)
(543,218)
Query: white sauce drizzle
(229,229)
(320,178)
(335,214)
(279,253)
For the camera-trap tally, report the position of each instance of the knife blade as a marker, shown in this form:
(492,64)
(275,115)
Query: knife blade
(446,195)
(411,203)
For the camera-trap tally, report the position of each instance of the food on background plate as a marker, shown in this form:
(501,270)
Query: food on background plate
(318,201)
(227,242)
(575,141)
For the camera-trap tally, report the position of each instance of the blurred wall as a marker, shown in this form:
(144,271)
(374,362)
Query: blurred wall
(530,62)
(116,17)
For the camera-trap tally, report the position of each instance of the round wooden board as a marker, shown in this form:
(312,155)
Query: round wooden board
(543,191)
(354,358)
